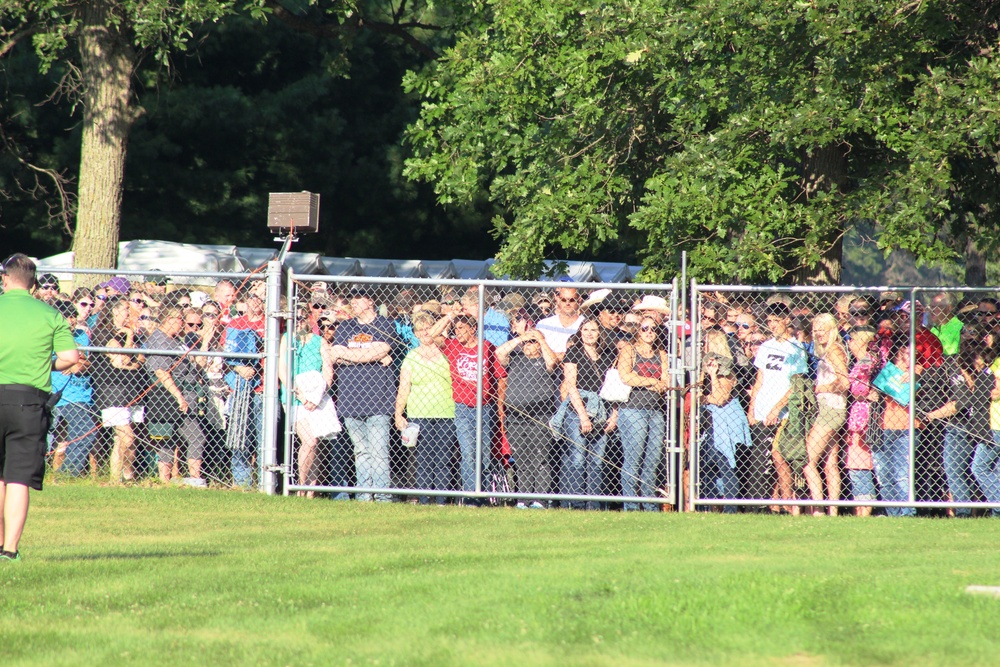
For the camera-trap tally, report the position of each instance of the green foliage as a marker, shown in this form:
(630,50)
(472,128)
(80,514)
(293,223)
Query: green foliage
(751,133)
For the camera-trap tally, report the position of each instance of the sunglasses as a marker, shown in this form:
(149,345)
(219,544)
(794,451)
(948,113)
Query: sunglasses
(570,300)
(85,304)
(317,306)
(193,324)
(646,328)
(326,326)
(743,325)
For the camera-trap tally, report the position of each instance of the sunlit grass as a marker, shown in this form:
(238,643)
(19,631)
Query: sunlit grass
(146,575)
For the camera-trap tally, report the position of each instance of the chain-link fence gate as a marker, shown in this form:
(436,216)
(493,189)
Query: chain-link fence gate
(171,385)
(395,391)
(872,399)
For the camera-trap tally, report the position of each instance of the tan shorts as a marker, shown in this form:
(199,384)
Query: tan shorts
(831,418)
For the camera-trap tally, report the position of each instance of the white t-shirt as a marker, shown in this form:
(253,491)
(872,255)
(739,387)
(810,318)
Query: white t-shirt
(778,361)
(556,335)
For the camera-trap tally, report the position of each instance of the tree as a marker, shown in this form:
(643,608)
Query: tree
(102,47)
(110,37)
(751,133)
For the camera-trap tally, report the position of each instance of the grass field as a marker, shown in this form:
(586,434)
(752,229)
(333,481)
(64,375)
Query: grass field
(148,576)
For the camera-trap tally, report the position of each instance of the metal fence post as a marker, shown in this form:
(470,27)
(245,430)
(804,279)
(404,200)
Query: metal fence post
(269,446)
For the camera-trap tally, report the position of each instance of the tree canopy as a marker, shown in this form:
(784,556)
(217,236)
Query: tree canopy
(751,133)
(217,114)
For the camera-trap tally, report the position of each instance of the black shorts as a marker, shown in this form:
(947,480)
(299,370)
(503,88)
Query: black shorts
(24,424)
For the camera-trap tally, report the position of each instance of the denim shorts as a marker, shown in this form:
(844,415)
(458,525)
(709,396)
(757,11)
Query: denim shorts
(863,484)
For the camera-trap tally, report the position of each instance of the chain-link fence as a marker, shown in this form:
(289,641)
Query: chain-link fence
(862,400)
(170,386)
(480,392)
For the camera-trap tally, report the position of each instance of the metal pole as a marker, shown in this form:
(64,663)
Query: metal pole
(269,435)
(913,392)
(480,362)
(692,414)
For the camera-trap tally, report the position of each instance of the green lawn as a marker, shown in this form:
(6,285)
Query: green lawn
(150,575)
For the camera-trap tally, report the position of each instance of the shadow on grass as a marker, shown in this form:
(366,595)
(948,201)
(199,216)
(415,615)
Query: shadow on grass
(135,556)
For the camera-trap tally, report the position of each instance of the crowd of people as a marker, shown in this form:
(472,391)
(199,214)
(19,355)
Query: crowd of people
(154,395)
(804,398)
(800,396)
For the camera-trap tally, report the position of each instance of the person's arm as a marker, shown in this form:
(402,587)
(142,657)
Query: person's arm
(402,395)
(66,359)
(441,326)
(501,397)
(612,423)
(625,362)
(167,380)
(504,351)
(722,385)
(326,355)
(753,396)
(552,359)
(573,392)
(361,355)
(949,409)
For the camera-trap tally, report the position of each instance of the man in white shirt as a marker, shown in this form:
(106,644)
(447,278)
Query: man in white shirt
(564,323)
(778,359)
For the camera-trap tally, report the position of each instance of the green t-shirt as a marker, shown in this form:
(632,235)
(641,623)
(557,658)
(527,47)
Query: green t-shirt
(30,332)
(430,387)
(950,334)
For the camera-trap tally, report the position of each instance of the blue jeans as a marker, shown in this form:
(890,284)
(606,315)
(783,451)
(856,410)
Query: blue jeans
(642,444)
(465,429)
(241,462)
(957,455)
(582,465)
(715,476)
(892,469)
(435,455)
(80,433)
(986,468)
(370,437)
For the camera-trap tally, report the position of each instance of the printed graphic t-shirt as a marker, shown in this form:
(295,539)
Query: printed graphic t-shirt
(465,371)
(778,361)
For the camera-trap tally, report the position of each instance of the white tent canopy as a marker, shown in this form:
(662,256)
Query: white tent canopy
(181,258)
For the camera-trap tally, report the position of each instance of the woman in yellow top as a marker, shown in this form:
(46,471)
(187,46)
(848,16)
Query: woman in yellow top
(425,395)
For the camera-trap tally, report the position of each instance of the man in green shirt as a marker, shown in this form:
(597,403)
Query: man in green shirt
(944,324)
(31,332)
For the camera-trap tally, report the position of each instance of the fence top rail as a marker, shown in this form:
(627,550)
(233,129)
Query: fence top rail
(166,274)
(542,284)
(172,353)
(811,289)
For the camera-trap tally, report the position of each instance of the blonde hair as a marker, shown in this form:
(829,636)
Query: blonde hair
(718,342)
(832,338)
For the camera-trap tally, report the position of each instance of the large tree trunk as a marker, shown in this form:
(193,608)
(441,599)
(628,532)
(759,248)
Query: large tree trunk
(975,264)
(826,166)
(106,67)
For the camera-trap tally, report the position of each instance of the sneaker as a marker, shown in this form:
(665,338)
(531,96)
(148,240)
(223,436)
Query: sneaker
(11,556)
(521,506)
(196,482)
(536,506)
